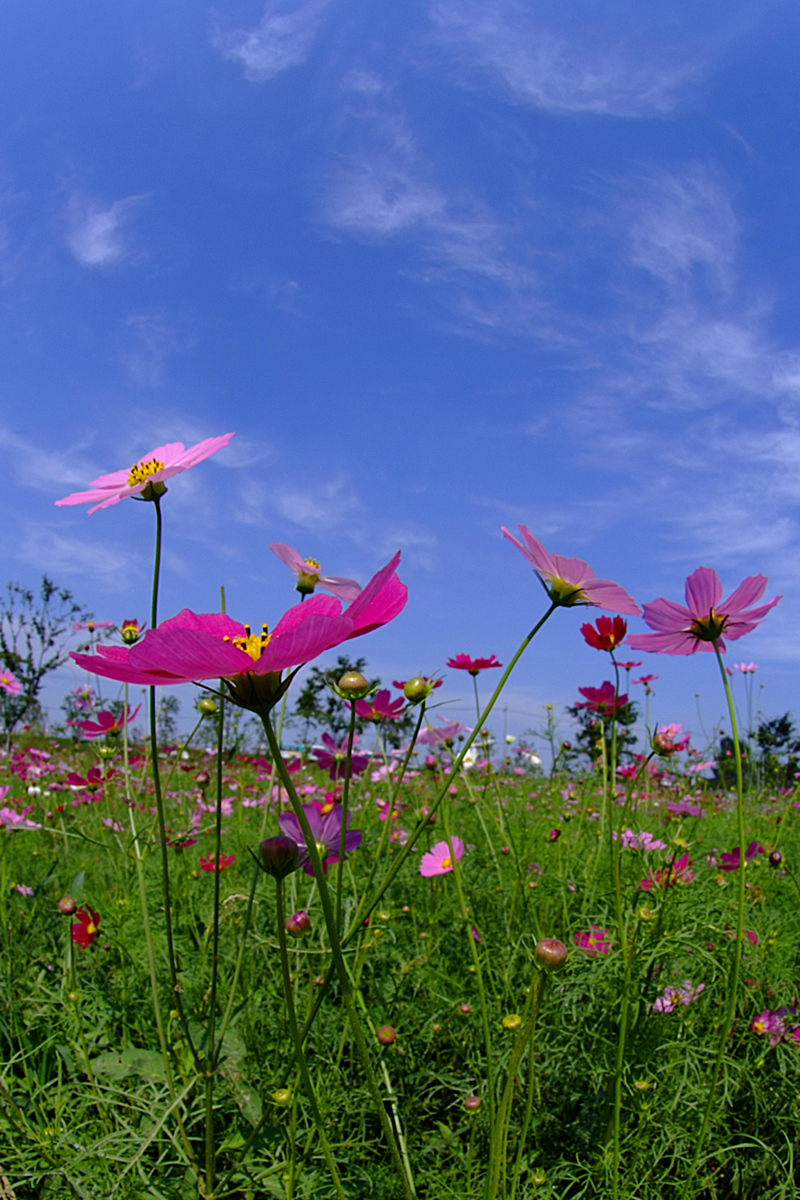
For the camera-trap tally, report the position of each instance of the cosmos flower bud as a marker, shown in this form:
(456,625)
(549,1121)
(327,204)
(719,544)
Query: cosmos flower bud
(130,632)
(279,856)
(298,924)
(512,1022)
(386,1035)
(554,835)
(67,906)
(776,858)
(207,706)
(472,1103)
(566,745)
(663,744)
(550,953)
(283,1097)
(417,689)
(202,778)
(354,685)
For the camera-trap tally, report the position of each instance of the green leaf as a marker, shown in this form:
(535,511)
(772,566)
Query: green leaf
(147,1063)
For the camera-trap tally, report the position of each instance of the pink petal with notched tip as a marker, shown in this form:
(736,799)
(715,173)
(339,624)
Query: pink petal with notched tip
(380,601)
(666,616)
(748,591)
(288,555)
(533,549)
(703,592)
(571,570)
(304,642)
(672,643)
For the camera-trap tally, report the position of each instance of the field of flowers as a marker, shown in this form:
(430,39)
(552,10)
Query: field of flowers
(429,970)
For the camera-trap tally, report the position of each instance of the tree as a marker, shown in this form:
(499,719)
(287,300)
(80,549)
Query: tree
(318,707)
(591,729)
(34,631)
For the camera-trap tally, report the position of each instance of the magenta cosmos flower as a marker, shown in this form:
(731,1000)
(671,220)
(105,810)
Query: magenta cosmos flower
(333,758)
(595,942)
(326,832)
(191,647)
(463,662)
(571,581)
(156,467)
(602,700)
(381,707)
(107,724)
(309,574)
(706,617)
(9,683)
(438,860)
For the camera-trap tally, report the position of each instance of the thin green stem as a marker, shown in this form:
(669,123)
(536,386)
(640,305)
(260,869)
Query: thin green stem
(733,982)
(298,1043)
(237,969)
(212,1003)
(351,732)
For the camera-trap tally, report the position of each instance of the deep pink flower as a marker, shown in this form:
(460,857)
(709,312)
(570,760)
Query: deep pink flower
(730,862)
(595,942)
(92,782)
(209,863)
(381,707)
(192,647)
(601,700)
(156,467)
(326,832)
(707,617)
(9,683)
(84,929)
(107,724)
(438,861)
(463,662)
(680,873)
(309,575)
(606,633)
(334,758)
(130,631)
(571,580)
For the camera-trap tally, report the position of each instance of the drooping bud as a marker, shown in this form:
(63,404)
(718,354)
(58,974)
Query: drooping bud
(298,924)
(278,856)
(67,906)
(550,953)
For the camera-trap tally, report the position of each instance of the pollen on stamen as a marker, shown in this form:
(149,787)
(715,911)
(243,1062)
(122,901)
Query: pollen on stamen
(142,471)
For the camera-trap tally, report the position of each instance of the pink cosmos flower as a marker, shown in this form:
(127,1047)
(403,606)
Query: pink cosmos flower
(438,861)
(334,758)
(309,574)
(156,467)
(382,707)
(672,996)
(628,666)
(571,580)
(326,831)
(9,816)
(209,863)
(707,617)
(84,929)
(595,942)
(191,647)
(746,668)
(9,683)
(90,626)
(601,700)
(107,725)
(730,862)
(680,873)
(463,662)
(448,731)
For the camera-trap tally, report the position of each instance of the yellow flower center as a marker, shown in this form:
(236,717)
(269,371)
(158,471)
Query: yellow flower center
(563,592)
(91,927)
(312,562)
(708,629)
(759,1027)
(322,850)
(250,643)
(446,863)
(142,471)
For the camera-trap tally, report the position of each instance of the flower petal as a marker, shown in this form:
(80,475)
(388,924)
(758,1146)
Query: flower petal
(703,591)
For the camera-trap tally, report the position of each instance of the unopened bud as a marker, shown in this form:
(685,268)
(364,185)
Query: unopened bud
(298,924)
(472,1103)
(776,858)
(67,906)
(354,684)
(202,778)
(554,835)
(417,689)
(566,745)
(386,1035)
(663,744)
(278,856)
(207,706)
(550,953)
(283,1097)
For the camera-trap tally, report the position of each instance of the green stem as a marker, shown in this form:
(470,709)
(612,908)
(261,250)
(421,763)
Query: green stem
(298,1044)
(212,1004)
(343,833)
(345,981)
(733,982)
(237,970)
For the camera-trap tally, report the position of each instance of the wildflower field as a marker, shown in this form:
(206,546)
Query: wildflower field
(429,965)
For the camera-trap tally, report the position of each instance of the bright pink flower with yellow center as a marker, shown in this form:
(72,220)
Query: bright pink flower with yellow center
(463,662)
(9,683)
(706,618)
(84,929)
(191,647)
(107,724)
(602,700)
(151,470)
(309,574)
(439,860)
(595,942)
(570,581)
(211,864)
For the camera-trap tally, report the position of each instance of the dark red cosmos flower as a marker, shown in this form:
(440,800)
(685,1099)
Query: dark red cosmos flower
(601,700)
(84,929)
(209,863)
(606,633)
(463,662)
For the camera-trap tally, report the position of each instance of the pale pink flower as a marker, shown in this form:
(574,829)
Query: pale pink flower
(572,581)
(9,683)
(156,467)
(438,860)
(309,574)
(707,617)
(746,668)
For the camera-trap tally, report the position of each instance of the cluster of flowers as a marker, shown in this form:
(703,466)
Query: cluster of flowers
(774,1026)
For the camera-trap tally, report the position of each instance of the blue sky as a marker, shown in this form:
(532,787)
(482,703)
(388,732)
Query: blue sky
(443,266)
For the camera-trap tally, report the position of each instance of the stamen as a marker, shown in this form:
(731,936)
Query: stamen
(140,472)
